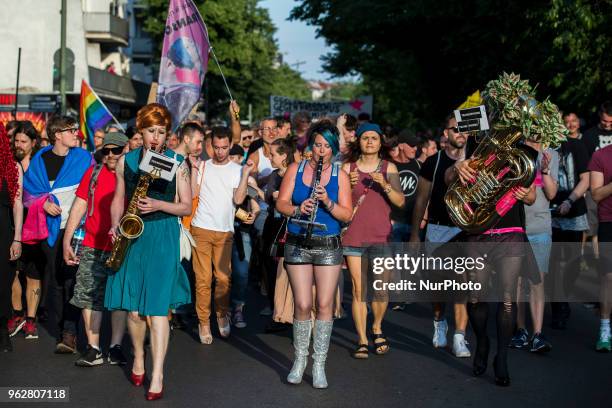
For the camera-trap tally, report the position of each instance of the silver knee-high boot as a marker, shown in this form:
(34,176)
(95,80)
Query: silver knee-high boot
(301,341)
(322,336)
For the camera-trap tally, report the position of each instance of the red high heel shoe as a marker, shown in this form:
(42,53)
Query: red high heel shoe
(152,396)
(137,379)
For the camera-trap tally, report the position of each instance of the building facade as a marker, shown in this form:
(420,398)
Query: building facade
(106,48)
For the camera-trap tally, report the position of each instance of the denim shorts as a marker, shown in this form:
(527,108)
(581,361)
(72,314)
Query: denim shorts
(352,251)
(541,245)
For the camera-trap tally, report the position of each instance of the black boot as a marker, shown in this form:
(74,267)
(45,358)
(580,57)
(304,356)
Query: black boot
(481,356)
(478,314)
(500,365)
(5,340)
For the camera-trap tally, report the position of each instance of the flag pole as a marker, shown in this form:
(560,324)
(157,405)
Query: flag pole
(105,107)
(211,50)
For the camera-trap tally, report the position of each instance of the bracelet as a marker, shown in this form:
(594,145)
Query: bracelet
(331,205)
(545,173)
(570,202)
(388,189)
(16,240)
(297,212)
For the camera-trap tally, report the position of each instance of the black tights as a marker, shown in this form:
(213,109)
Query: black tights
(505,283)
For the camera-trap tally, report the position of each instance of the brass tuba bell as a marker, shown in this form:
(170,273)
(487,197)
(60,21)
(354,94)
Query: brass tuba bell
(501,166)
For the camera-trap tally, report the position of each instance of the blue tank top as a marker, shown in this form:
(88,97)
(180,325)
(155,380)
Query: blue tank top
(302,192)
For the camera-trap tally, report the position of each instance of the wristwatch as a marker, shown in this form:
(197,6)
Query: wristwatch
(388,189)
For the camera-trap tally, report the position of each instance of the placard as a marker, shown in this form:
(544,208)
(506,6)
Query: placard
(167,166)
(472,119)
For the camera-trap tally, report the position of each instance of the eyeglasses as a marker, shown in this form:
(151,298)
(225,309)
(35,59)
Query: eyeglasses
(72,129)
(269,129)
(453,128)
(116,150)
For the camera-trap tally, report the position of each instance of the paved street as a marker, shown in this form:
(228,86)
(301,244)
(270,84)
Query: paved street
(249,370)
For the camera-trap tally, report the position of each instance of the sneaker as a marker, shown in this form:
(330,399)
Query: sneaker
(539,344)
(115,356)
(460,346)
(266,311)
(30,330)
(398,307)
(520,339)
(440,330)
(15,324)
(603,344)
(67,345)
(91,357)
(239,320)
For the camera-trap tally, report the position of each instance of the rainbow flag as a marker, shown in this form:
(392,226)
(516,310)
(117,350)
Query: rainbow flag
(93,114)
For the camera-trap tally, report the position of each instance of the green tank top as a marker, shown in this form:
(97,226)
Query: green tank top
(159,189)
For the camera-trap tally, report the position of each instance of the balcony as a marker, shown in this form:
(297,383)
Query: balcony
(142,47)
(106,28)
(118,88)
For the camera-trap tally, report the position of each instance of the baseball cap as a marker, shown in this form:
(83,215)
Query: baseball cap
(406,136)
(115,138)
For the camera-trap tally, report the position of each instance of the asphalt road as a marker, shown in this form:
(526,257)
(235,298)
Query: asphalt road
(249,370)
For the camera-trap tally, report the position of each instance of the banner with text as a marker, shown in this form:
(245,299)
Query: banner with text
(283,106)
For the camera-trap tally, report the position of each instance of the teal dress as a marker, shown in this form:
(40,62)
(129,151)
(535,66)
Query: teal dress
(151,279)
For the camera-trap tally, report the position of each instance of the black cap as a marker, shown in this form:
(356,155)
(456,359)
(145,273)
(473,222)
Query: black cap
(406,136)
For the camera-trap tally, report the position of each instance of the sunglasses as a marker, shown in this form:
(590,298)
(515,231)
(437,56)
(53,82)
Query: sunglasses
(116,150)
(247,137)
(72,129)
(453,128)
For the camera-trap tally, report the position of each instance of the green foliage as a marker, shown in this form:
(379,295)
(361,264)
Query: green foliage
(421,58)
(241,33)
(512,106)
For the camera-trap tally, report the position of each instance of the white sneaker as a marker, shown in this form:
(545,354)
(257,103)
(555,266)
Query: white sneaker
(460,346)
(266,311)
(439,337)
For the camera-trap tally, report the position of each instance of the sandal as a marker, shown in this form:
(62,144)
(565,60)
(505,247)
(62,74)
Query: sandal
(207,337)
(384,344)
(224,330)
(361,352)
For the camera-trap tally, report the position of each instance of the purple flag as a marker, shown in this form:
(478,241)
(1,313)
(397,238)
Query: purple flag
(184,60)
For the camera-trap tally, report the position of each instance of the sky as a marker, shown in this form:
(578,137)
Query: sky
(296,40)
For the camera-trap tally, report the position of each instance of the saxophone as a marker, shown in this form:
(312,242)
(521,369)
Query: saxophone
(131,225)
(501,167)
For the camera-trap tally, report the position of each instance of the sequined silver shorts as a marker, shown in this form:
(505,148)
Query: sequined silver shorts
(321,251)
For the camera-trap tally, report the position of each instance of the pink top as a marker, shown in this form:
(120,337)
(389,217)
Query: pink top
(372,221)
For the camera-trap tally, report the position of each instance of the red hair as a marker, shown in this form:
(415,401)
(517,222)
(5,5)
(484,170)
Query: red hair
(153,114)
(8,168)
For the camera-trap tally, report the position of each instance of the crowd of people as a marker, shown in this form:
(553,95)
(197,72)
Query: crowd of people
(286,205)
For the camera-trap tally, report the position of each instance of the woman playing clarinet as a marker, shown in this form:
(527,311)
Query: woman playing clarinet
(313,251)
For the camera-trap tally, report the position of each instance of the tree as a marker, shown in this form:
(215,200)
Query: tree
(420,59)
(242,36)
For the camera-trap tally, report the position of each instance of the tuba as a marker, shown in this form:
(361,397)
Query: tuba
(501,167)
(130,225)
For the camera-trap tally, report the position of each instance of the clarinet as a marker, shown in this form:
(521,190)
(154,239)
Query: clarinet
(313,196)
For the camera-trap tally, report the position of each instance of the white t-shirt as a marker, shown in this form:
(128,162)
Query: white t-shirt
(216,210)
